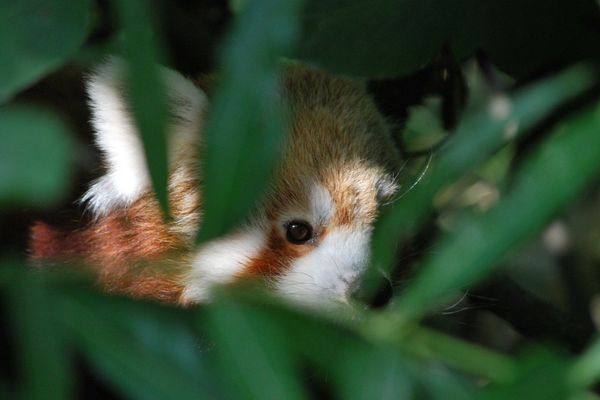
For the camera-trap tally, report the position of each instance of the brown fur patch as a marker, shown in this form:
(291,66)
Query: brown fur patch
(337,139)
(275,258)
(131,251)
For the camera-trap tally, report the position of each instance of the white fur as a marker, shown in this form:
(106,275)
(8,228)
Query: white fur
(386,188)
(118,138)
(321,204)
(327,274)
(218,262)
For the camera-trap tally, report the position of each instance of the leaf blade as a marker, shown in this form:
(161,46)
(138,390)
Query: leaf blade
(245,130)
(36,37)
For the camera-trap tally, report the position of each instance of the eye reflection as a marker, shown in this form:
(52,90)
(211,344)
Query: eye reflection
(298,232)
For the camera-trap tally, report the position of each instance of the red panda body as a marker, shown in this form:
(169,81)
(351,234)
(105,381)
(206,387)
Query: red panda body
(310,238)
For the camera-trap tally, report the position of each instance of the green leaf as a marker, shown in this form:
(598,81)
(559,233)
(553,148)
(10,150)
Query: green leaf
(145,351)
(146,89)
(423,129)
(389,38)
(253,354)
(441,383)
(373,373)
(479,135)
(40,347)
(34,157)
(551,178)
(541,376)
(586,369)
(376,39)
(246,125)
(36,37)
(391,328)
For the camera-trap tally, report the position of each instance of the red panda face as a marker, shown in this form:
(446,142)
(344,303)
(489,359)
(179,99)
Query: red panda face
(309,240)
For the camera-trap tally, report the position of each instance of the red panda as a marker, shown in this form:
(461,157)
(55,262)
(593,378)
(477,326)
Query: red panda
(309,241)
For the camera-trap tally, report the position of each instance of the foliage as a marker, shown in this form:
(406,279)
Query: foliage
(248,345)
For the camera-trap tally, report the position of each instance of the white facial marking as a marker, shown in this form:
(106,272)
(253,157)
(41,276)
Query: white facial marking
(217,263)
(117,136)
(327,273)
(321,204)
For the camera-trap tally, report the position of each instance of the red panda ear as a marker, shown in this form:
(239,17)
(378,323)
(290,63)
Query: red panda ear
(386,189)
(117,136)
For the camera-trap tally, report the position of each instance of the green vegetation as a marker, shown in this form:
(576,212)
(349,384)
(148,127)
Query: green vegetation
(524,122)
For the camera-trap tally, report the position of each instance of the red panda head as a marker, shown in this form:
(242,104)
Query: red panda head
(310,238)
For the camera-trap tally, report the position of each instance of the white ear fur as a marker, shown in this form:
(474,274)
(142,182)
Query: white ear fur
(117,136)
(386,188)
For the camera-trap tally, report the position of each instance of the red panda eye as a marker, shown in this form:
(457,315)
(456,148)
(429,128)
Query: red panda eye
(299,232)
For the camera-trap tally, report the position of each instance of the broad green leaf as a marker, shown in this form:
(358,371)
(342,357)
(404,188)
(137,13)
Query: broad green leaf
(40,347)
(551,178)
(237,5)
(441,383)
(145,352)
(479,135)
(541,376)
(388,38)
(430,345)
(373,373)
(423,129)
(145,89)
(376,39)
(586,369)
(36,37)
(246,124)
(330,340)
(253,355)
(35,155)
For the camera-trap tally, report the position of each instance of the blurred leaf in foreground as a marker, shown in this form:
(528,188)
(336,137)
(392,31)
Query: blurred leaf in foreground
(441,383)
(246,126)
(146,90)
(586,369)
(551,178)
(541,376)
(374,373)
(423,129)
(390,38)
(37,36)
(41,348)
(253,354)
(129,353)
(34,157)
(479,135)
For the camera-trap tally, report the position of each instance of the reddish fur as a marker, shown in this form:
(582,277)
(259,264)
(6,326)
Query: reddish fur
(273,259)
(337,139)
(120,248)
(48,243)
(276,257)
